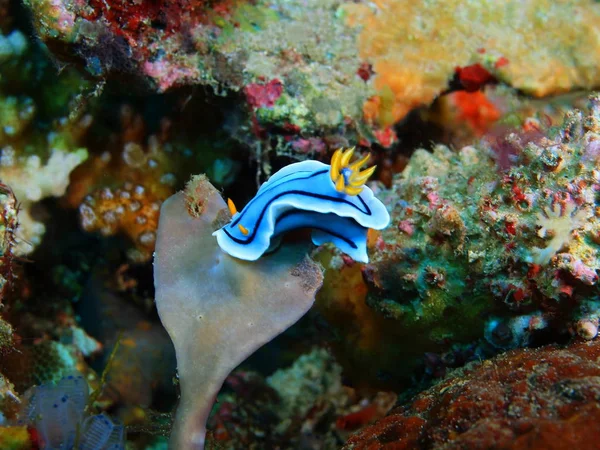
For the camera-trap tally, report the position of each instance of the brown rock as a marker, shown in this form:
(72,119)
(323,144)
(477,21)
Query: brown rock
(544,398)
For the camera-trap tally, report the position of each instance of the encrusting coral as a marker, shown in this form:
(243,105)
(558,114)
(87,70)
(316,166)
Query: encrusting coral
(316,72)
(477,248)
(522,400)
(493,110)
(414,49)
(218,310)
(132,169)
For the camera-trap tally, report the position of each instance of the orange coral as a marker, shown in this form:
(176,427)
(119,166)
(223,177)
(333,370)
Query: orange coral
(130,209)
(539,46)
(475,109)
(129,155)
(121,190)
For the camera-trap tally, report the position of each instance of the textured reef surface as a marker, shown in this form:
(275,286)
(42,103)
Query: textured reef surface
(524,399)
(129,130)
(495,240)
(316,71)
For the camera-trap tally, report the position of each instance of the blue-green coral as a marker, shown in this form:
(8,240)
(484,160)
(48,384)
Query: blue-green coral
(466,230)
(478,249)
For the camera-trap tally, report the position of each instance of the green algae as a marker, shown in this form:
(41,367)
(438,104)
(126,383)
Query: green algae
(286,110)
(246,17)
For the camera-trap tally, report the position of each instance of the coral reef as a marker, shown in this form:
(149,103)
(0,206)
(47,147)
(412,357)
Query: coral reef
(8,227)
(415,48)
(33,180)
(313,375)
(46,130)
(319,72)
(131,170)
(220,42)
(124,168)
(475,109)
(107,107)
(475,249)
(465,117)
(40,139)
(140,179)
(525,399)
(299,406)
(42,362)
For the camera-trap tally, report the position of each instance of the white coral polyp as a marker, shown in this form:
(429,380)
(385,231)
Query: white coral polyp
(31,182)
(562,224)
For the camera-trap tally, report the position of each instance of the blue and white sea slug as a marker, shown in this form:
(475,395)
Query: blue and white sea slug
(332,200)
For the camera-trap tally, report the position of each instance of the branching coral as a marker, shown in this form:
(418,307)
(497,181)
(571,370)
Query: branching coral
(40,142)
(33,180)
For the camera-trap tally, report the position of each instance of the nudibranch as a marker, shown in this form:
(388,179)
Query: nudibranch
(332,200)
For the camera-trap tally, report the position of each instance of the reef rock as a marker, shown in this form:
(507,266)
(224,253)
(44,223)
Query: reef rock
(525,399)
(328,68)
(497,240)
